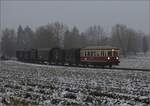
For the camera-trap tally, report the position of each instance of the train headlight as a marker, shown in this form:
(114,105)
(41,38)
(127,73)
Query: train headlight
(108,58)
(117,58)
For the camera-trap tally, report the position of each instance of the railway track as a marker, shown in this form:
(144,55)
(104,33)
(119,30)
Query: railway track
(113,68)
(96,67)
(133,69)
(116,68)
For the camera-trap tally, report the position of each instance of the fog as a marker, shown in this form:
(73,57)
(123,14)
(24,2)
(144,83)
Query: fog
(134,14)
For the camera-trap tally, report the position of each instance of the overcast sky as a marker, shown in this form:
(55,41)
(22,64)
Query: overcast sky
(134,14)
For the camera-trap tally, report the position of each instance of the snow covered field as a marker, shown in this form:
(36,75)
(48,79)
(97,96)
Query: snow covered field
(136,62)
(44,85)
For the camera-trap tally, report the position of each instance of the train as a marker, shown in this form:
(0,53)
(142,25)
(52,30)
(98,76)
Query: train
(91,55)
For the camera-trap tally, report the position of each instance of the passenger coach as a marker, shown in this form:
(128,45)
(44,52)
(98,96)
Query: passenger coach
(100,55)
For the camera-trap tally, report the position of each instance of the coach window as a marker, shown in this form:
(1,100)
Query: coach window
(97,53)
(106,52)
(109,53)
(82,53)
(88,53)
(91,53)
(85,53)
(102,53)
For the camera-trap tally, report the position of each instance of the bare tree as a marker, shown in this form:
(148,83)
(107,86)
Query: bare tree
(119,38)
(132,41)
(58,30)
(67,40)
(8,43)
(20,38)
(83,40)
(96,35)
(127,39)
(45,38)
(72,38)
(28,37)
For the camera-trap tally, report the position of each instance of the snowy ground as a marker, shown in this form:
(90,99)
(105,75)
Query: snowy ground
(142,61)
(43,85)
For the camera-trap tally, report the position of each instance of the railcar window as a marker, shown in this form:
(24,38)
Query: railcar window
(81,53)
(106,53)
(109,53)
(88,53)
(91,53)
(97,54)
(85,53)
(94,53)
(102,53)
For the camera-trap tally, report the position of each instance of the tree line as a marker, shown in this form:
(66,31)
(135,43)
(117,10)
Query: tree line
(60,35)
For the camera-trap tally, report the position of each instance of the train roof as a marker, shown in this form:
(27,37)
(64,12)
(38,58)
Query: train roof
(100,48)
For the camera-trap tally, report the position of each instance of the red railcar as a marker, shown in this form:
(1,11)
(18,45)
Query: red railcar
(100,55)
